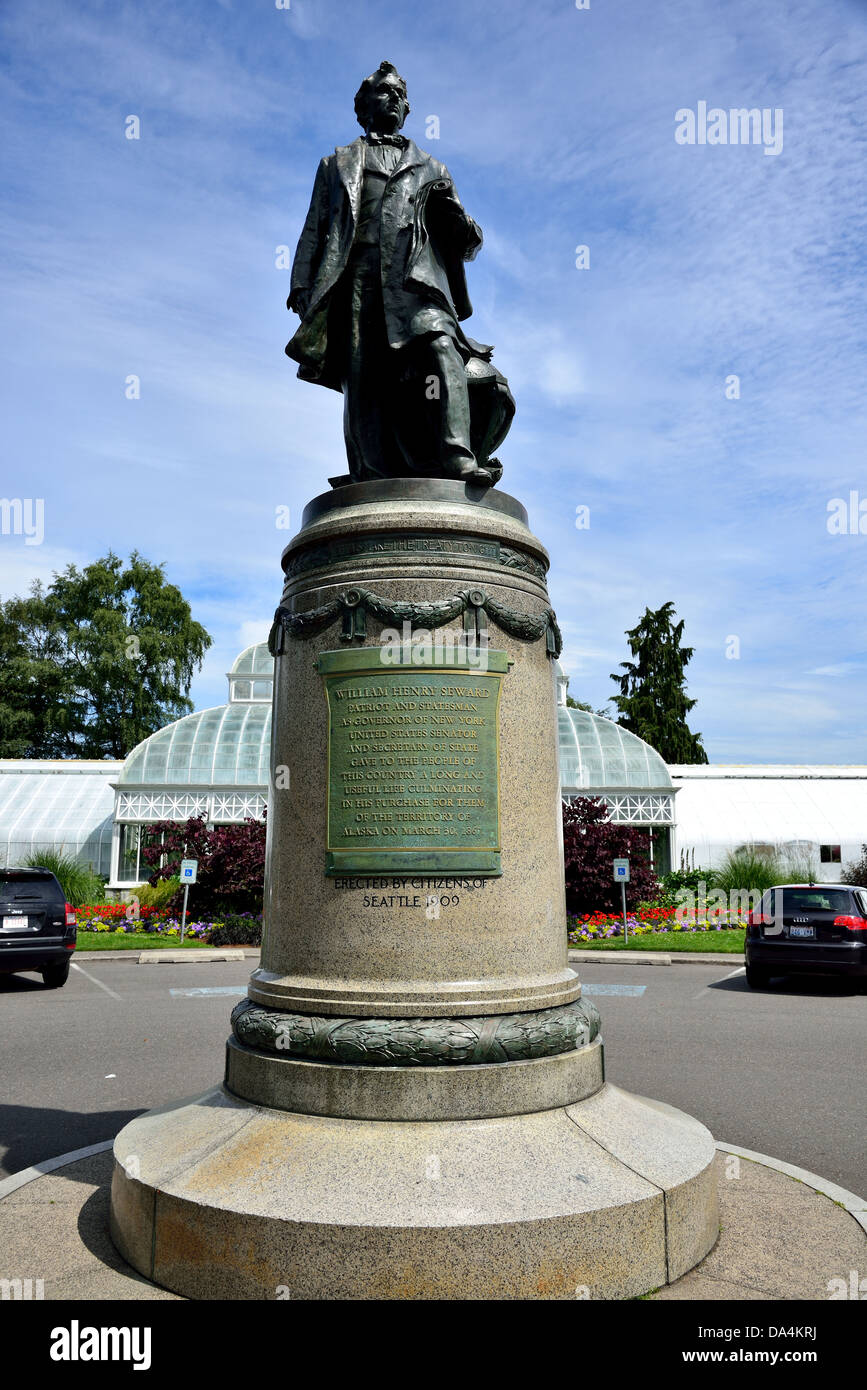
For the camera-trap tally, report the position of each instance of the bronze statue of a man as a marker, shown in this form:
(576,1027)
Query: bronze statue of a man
(378,282)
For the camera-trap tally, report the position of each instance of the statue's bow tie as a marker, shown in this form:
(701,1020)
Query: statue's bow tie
(399,140)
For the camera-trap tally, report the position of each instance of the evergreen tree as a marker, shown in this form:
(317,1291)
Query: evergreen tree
(605,712)
(98,661)
(653,702)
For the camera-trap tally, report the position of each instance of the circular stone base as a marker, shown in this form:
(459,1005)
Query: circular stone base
(413,1093)
(606,1198)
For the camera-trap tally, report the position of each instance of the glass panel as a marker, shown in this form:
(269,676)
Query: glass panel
(661,845)
(241,690)
(226,750)
(147,839)
(127,864)
(202,753)
(261,690)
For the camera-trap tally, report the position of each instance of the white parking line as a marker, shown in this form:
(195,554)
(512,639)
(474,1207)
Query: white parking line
(208,989)
(94,981)
(626,990)
(741,970)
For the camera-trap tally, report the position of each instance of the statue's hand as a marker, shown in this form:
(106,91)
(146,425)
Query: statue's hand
(299,301)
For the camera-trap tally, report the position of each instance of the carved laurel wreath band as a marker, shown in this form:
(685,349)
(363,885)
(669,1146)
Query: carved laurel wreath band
(416,1042)
(475,604)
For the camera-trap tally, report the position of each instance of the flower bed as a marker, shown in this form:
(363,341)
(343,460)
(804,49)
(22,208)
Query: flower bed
(601,926)
(113,919)
(116,916)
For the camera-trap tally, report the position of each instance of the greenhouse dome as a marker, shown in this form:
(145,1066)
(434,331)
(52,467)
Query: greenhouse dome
(598,758)
(212,764)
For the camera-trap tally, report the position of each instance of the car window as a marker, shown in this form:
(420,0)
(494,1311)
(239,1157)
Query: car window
(861,900)
(816,900)
(16,887)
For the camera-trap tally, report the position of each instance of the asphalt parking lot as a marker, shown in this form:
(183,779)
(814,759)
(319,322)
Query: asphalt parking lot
(781,1072)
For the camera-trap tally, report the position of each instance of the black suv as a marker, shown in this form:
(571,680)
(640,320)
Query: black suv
(807,928)
(37,925)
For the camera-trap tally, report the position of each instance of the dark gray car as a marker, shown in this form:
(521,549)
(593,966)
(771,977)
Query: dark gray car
(807,928)
(37,925)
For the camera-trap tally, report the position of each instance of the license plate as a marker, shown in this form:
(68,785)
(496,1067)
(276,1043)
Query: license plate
(802,931)
(15,923)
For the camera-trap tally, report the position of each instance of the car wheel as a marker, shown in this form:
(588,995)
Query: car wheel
(55,976)
(758,978)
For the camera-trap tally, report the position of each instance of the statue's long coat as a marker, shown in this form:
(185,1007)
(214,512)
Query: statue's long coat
(419,267)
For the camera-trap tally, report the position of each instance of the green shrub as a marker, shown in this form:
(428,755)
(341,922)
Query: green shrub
(757,870)
(672,883)
(855,872)
(748,869)
(158,894)
(236,929)
(798,868)
(688,878)
(79,884)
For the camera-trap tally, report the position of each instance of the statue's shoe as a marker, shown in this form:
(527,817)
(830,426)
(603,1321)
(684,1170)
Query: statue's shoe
(480,477)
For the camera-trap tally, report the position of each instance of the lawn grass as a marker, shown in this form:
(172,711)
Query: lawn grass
(134,941)
(724,942)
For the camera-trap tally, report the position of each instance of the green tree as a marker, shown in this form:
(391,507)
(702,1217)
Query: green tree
(582,704)
(15,718)
(99,659)
(653,702)
(33,686)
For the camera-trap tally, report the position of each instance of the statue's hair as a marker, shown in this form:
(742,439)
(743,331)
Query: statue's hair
(361,95)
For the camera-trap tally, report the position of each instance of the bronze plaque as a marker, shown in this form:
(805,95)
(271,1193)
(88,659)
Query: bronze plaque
(413,763)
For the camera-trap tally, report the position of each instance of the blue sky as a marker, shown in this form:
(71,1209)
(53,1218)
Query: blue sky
(156,257)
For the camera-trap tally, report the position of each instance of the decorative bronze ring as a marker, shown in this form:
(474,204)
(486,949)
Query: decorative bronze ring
(406,545)
(417,1042)
(475,604)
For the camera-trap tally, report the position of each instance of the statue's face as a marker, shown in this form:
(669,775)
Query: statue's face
(386,104)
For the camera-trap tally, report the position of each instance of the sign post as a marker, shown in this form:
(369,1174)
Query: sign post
(621,876)
(189,868)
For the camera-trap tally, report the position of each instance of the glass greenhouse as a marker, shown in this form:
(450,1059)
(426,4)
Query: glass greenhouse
(212,764)
(598,758)
(62,806)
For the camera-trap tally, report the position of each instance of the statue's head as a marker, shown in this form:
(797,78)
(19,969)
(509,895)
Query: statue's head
(380,102)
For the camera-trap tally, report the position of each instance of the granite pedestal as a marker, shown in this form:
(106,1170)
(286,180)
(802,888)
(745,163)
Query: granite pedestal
(414,1102)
